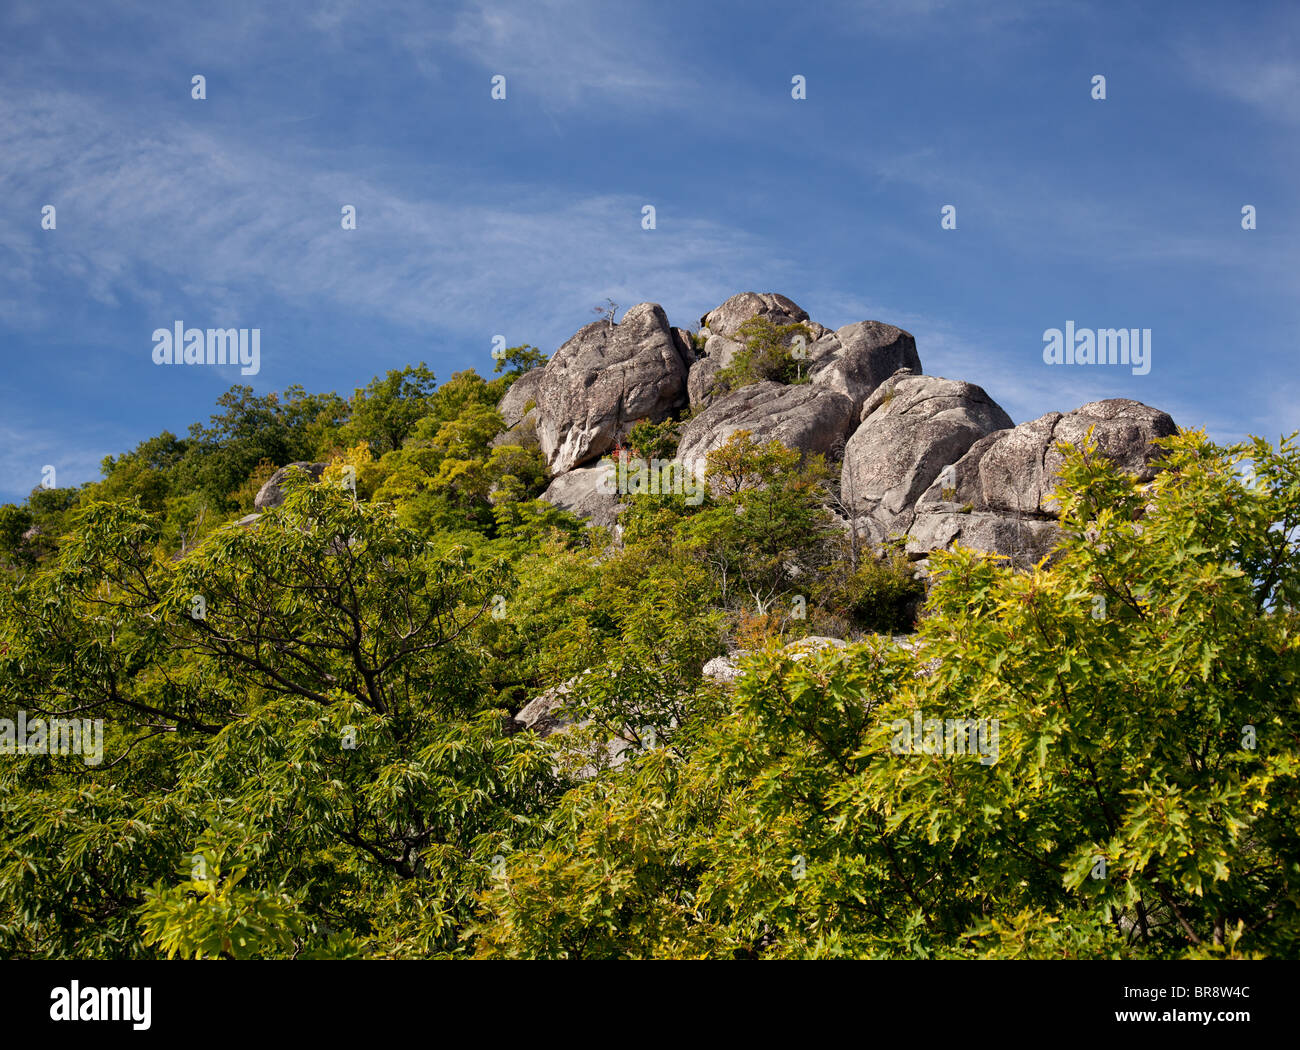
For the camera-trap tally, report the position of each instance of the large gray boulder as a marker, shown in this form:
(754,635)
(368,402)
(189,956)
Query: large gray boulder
(542,713)
(726,319)
(953,512)
(702,380)
(518,408)
(959,485)
(1022,538)
(587,492)
(852,361)
(722,349)
(604,379)
(701,384)
(856,359)
(912,427)
(998,496)
(685,346)
(720,328)
(1018,472)
(523,391)
(804,417)
(523,433)
(271,494)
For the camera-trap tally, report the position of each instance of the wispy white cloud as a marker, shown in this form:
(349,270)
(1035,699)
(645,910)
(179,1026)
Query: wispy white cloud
(1252,59)
(575,52)
(565,54)
(1027,213)
(177,213)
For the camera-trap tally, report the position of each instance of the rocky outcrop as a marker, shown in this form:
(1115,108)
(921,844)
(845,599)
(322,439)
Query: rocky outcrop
(998,496)
(725,670)
(811,644)
(856,359)
(912,427)
(726,319)
(933,458)
(685,346)
(523,433)
(702,381)
(521,397)
(604,379)
(587,492)
(542,713)
(702,384)
(1018,472)
(804,417)
(1022,539)
(271,494)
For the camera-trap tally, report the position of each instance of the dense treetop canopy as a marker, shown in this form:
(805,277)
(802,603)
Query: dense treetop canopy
(309,747)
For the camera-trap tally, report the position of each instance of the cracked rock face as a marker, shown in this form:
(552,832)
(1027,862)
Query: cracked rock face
(605,379)
(700,383)
(527,388)
(998,496)
(1017,472)
(719,352)
(856,359)
(804,417)
(912,427)
(1023,539)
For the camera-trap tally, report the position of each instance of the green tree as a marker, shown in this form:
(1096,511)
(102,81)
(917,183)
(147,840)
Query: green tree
(763,517)
(14,521)
(653,440)
(305,690)
(386,410)
(517,360)
(767,353)
(1139,800)
(220,457)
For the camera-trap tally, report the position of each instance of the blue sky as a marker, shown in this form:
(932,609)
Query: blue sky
(478,217)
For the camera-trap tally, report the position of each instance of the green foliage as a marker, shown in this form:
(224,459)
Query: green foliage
(759,526)
(325,704)
(1153,735)
(653,440)
(883,593)
(220,457)
(517,360)
(309,750)
(14,521)
(554,619)
(766,354)
(210,916)
(385,411)
(51,510)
